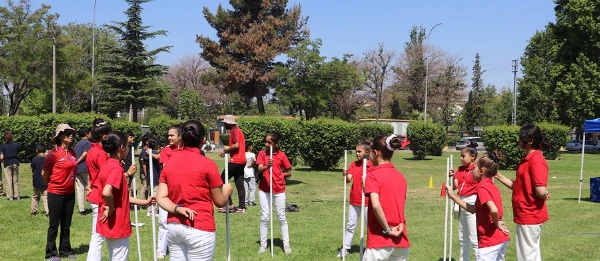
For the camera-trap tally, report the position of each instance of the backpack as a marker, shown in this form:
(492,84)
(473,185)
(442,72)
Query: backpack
(292,208)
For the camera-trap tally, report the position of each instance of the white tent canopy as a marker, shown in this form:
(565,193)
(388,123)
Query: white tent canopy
(589,126)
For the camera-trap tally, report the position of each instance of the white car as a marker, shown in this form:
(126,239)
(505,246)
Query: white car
(463,142)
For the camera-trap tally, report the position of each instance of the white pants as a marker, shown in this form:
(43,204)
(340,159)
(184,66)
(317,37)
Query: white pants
(467,230)
(190,244)
(386,253)
(353,212)
(118,249)
(250,186)
(528,242)
(265,210)
(493,253)
(95,249)
(161,245)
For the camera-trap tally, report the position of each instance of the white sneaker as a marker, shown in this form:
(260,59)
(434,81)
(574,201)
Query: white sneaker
(262,250)
(343,252)
(287,250)
(160,256)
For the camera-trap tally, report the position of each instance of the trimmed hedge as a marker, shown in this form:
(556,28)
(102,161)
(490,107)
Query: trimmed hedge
(426,139)
(29,131)
(503,139)
(159,127)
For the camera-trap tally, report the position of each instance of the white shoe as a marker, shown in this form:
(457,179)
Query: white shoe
(343,252)
(262,250)
(287,250)
(160,256)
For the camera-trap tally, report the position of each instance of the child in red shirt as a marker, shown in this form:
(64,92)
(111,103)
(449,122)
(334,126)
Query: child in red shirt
(114,224)
(467,191)
(387,238)
(354,175)
(282,169)
(492,234)
(529,193)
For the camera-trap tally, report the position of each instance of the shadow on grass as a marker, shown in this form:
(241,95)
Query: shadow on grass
(81,249)
(414,159)
(447,259)
(582,199)
(290,182)
(277,242)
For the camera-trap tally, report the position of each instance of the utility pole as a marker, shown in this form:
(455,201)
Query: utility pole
(53,69)
(427,72)
(514,114)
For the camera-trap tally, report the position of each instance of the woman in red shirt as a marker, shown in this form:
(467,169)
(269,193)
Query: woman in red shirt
(467,191)
(529,193)
(114,223)
(492,234)
(189,185)
(387,238)
(60,167)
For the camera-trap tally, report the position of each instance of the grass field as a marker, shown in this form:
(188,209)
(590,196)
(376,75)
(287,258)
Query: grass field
(572,233)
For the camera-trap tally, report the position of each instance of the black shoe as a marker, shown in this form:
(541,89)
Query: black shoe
(82,213)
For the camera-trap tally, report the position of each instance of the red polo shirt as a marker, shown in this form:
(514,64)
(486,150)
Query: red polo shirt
(190,177)
(95,158)
(391,187)
(118,225)
(280,163)
(532,172)
(237,136)
(356,169)
(487,233)
(62,167)
(167,152)
(467,186)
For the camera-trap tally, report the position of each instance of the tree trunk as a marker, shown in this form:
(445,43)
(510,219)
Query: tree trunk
(14,108)
(259,98)
(379,92)
(134,112)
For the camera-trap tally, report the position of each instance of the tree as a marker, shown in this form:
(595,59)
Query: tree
(308,84)
(377,67)
(446,91)
(498,106)
(410,71)
(25,50)
(474,108)
(131,75)
(191,106)
(250,36)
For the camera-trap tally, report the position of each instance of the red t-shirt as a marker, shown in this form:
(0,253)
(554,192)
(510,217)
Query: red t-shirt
(532,172)
(356,169)
(96,157)
(61,164)
(487,233)
(237,136)
(118,225)
(390,185)
(167,152)
(280,163)
(190,177)
(467,186)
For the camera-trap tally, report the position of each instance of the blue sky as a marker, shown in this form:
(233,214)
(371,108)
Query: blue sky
(498,30)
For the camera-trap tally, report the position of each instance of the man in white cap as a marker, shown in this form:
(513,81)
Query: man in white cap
(237,162)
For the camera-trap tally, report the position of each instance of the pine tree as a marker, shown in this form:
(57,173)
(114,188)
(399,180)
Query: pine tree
(131,74)
(475,107)
(250,37)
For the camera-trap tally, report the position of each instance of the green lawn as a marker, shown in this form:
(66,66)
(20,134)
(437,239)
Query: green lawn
(316,231)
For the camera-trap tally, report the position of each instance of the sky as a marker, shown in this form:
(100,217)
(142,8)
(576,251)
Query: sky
(497,30)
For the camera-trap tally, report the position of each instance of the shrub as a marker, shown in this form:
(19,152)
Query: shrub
(133,127)
(27,131)
(225,139)
(372,130)
(503,140)
(557,135)
(426,139)
(452,139)
(326,140)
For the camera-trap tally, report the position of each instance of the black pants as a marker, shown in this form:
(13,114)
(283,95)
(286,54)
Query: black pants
(60,209)
(237,172)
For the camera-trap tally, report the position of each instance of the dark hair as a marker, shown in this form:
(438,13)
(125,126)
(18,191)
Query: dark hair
(128,134)
(366,145)
(379,144)
(152,143)
(193,133)
(533,134)
(8,136)
(83,131)
(100,128)
(275,136)
(145,138)
(491,167)
(114,140)
(471,148)
(248,144)
(40,148)
(178,128)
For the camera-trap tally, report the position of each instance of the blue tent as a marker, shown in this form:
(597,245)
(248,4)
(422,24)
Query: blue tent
(589,126)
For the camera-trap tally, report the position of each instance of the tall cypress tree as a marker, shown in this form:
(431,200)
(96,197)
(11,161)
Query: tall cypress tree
(131,76)
(250,36)
(474,108)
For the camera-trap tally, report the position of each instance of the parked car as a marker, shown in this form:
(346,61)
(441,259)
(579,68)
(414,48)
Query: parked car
(463,142)
(590,146)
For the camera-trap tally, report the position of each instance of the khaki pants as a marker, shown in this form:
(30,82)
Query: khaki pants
(81,181)
(143,192)
(35,199)
(11,172)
